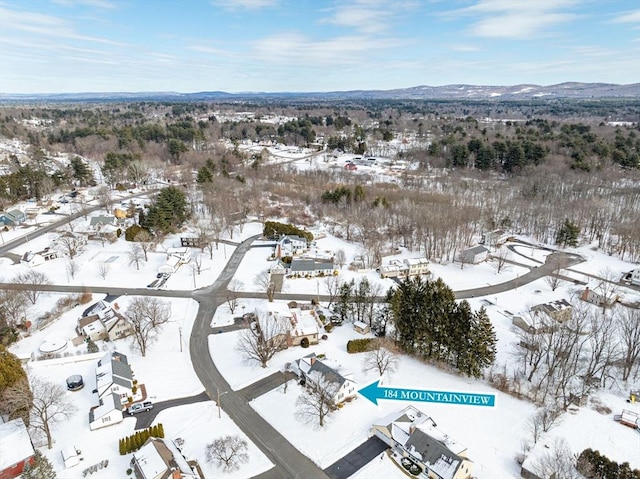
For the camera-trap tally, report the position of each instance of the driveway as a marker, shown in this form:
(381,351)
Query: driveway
(356,459)
(145,419)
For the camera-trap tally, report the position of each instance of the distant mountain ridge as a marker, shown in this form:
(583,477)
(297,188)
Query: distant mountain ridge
(568,90)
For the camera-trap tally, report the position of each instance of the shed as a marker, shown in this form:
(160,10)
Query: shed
(361,327)
(71,456)
(16,448)
(474,255)
(171,266)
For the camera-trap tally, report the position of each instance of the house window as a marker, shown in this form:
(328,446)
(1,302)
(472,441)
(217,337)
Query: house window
(106,419)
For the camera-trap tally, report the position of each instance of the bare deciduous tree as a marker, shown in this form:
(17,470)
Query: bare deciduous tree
(263,281)
(228,452)
(103,195)
(340,258)
(332,283)
(12,306)
(72,268)
(145,240)
(232,294)
(543,420)
(136,255)
(558,462)
(103,270)
(147,315)
(500,259)
(70,243)
(628,325)
(197,263)
(316,402)
(607,287)
(47,402)
(380,357)
(32,280)
(266,336)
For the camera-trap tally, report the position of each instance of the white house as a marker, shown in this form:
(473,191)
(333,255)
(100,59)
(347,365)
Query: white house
(107,413)
(635,277)
(104,324)
(114,376)
(296,324)
(474,255)
(183,254)
(160,459)
(171,266)
(413,435)
(312,266)
(312,370)
(416,266)
(290,245)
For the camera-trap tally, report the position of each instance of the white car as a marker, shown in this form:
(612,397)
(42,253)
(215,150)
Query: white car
(140,407)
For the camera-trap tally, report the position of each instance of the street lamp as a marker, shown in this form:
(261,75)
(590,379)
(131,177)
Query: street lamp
(218,401)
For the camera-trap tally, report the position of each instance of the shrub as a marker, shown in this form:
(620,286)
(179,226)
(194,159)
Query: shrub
(328,327)
(304,343)
(358,345)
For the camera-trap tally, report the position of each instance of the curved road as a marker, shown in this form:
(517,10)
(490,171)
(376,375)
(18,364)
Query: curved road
(289,462)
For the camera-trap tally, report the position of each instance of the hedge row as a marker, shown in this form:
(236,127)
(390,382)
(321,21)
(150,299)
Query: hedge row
(134,442)
(359,345)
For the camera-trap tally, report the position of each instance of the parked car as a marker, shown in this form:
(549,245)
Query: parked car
(140,407)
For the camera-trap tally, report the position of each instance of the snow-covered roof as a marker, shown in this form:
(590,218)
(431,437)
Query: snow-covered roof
(15,443)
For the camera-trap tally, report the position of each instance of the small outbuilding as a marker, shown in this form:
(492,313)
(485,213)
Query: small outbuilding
(474,255)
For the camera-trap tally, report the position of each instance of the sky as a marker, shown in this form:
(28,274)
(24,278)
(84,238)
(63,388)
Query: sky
(65,46)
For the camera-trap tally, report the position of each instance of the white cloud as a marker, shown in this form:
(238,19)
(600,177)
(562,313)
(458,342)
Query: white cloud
(44,25)
(517,20)
(243,4)
(367,16)
(632,16)
(104,4)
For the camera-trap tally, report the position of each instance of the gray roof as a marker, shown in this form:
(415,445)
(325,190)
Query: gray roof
(121,370)
(328,372)
(311,264)
(476,250)
(102,220)
(431,450)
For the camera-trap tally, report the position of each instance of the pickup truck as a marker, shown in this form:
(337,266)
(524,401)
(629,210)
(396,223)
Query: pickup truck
(140,407)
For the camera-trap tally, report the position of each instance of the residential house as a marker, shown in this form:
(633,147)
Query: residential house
(416,266)
(113,375)
(182,253)
(311,266)
(103,227)
(593,297)
(431,453)
(16,449)
(560,310)
(106,324)
(391,271)
(161,459)
(171,266)
(299,326)
(107,413)
(32,259)
(291,245)
(312,369)
(12,217)
(474,255)
(493,239)
(635,276)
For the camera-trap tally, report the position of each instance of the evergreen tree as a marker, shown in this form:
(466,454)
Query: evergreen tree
(568,234)
(344,304)
(168,211)
(40,469)
(122,447)
(92,347)
(483,344)
(160,430)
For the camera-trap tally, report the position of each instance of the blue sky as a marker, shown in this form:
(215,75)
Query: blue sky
(56,46)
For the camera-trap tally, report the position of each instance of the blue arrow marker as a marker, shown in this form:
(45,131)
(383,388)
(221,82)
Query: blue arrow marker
(373,392)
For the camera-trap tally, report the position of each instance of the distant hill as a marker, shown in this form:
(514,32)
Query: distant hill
(567,90)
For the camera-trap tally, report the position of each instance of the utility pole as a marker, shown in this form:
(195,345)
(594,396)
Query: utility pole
(180,332)
(218,401)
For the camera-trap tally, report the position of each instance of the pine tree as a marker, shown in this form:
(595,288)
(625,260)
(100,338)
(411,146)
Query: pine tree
(121,447)
(568,234)
(160,430)
(483,344)
(40,469)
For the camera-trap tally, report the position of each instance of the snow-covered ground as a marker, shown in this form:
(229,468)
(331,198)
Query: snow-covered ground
(493,436)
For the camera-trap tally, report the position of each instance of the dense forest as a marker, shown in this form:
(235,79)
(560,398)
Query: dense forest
(456,169)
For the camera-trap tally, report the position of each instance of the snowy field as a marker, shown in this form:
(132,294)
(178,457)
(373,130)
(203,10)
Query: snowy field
(493,436)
